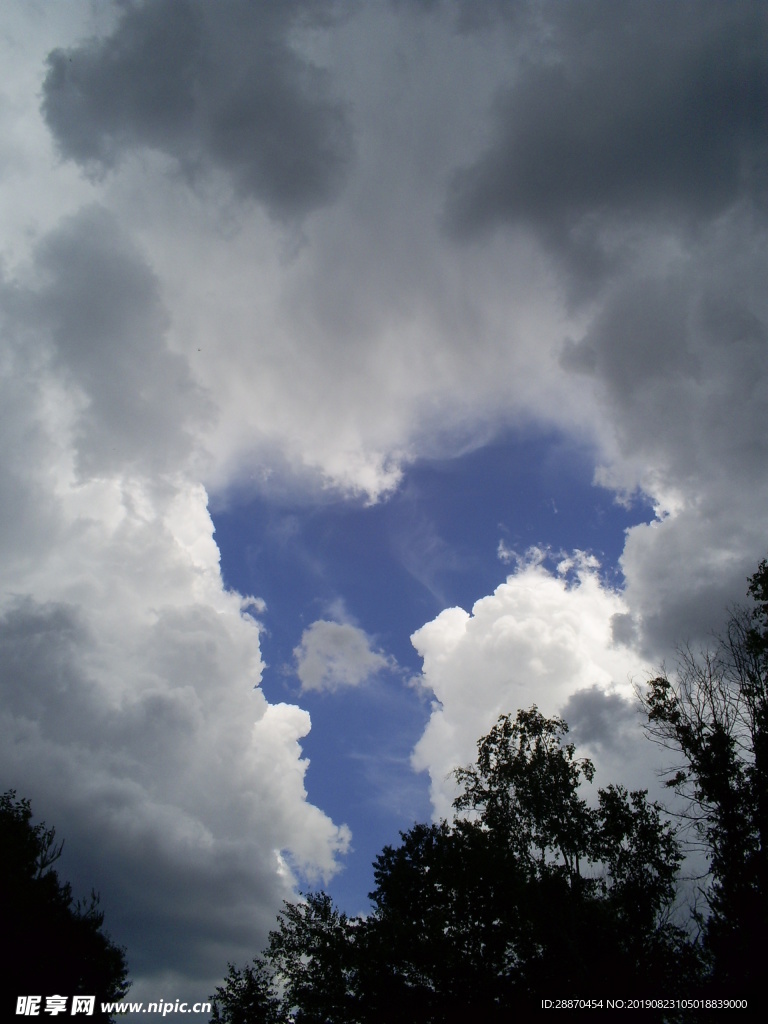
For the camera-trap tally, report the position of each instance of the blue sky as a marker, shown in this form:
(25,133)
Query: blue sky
(388,568)
(366,370)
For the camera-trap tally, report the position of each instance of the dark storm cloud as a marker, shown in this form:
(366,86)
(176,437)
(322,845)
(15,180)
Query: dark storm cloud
(99,304)
(90,761)
(682,361)
(623,629)
(37,642)
(597,718)
(620,113)
(679,361)
(212,86)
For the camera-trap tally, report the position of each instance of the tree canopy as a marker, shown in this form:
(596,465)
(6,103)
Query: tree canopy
(58,946)
(534,891)
(714,712)
(537,888)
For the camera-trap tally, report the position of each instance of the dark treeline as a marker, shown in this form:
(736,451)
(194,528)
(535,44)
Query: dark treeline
(532,892)
(537,893)
(54,943)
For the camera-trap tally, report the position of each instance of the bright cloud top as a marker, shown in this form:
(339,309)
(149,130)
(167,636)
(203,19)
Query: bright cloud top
(540,638)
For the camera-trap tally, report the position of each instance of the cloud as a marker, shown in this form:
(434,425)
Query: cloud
(678,359)
(101,310)
(540,638)
(602,170)
(619,117)
(357,342)
(131,713)
(374,340)
(336,654)
(214,88)
(601,719)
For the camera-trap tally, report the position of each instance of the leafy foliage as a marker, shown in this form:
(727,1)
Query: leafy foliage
(607,872)
(58,945)
(247,996)
(443,933)
(526,786)
(535,891)
(314,954)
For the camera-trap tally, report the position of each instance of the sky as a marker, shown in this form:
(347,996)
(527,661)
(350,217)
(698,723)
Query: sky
(367,370)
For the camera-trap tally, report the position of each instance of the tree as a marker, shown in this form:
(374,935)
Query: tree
(248,996)
(714,712)
(601,879)
(533,891)
(313,952)
(57,945)
(307,975)
(525,785)
(447,927)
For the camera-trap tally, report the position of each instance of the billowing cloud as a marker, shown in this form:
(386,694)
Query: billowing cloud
(101,310)
(336,654)
(623,116)
(212,87)
(523,213)
(130,701)
(182,790)
(358,341)
(541,638)
(678,358)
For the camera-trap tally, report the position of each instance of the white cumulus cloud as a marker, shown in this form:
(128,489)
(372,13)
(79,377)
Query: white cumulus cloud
(541,637)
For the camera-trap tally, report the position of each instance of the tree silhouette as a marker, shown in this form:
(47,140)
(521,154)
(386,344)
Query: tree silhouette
(599,880)
(534,891)
(248,996)
(314,953)
(57,946)
(714,712)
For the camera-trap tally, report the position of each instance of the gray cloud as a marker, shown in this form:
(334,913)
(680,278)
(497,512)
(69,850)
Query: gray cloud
(600,719)
(618,114)
(624,159)
(130,710)
(99,304)
(212,86)
(155,773)
(678,358)
(332,655)
(681,359)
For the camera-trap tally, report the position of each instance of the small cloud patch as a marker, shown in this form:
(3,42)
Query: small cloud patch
(336,654)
